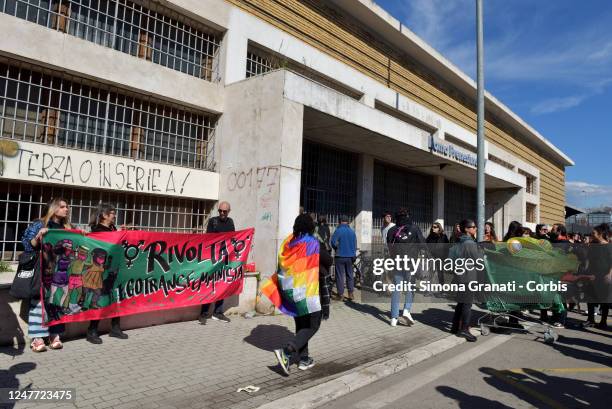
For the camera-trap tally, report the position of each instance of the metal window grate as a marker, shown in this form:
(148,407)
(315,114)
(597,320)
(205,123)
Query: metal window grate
(258,64)
(38,106)
(329,180)
(21,203)
(148,30)
(459,203)
(530,209)
(530,182)
(395,188)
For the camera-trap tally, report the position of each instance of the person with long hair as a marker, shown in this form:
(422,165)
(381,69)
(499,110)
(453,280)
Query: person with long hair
(489,233)
(515,229)
(103,220)
(541,232)
(299,258)
(438,245)
(56,217)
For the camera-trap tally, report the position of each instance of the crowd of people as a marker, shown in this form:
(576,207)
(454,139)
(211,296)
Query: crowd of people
(594,252)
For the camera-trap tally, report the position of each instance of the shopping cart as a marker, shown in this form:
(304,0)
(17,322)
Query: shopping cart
(502,307)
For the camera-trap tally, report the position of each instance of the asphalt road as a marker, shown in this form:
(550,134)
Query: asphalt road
(502,371)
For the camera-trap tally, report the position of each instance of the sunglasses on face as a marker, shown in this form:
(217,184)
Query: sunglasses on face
(471,227)
(223,211)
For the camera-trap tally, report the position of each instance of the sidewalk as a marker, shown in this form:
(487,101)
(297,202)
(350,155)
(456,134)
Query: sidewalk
(186,365)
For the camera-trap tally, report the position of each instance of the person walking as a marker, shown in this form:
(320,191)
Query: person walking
(438,245)
(218,224)
(404,239)
(57,217)
(466,249)
(344,242)
(103,220)
(299,259)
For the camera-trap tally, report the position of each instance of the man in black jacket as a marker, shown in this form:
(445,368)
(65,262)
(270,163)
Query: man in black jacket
(219,224)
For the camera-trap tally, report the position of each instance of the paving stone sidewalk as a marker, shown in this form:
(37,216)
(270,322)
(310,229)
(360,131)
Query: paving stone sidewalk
(187,365)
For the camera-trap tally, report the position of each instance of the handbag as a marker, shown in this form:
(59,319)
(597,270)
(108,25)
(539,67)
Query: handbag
(26,283)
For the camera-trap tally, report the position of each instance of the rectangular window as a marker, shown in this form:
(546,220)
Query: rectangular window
(501,162)
(530,213)
(142,29)
(21,203)
(530,181)
(38,106)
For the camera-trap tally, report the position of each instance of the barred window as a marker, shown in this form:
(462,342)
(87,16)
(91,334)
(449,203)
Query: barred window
(530,213)
(530,182)
(459,203)
(38,106)
(21,203)
(258,64)
(143,29)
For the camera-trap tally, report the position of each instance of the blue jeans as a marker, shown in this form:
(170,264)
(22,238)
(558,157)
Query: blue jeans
(395,297)
(344,267)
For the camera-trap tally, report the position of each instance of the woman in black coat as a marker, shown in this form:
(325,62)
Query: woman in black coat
(438,245)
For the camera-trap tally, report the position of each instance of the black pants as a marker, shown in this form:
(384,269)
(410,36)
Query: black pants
(305,328)
(603,310)
(463,313)
(115,322)
(218,308)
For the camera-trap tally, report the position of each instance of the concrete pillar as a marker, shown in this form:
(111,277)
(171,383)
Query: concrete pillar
(438,199)
(260,156)
(365,197)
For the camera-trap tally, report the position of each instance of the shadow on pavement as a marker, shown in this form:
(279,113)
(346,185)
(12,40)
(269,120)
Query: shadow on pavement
(370,310)
(8,378)
(269,336)
(544,390)
(467,401)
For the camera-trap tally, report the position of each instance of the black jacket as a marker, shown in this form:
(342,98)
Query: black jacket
(438,245)
(468,249)
(216,225)
(325,263)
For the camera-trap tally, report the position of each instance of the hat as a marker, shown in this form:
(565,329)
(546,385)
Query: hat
(440,222)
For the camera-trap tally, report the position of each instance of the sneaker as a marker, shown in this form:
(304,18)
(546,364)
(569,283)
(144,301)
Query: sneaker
(404,321)
(558,325)
(306,363)
(116,332)
(394,322)
(203,319)
(283,360)
(93,337)
(408,316)
(466,334)
(588,324)
(220,317)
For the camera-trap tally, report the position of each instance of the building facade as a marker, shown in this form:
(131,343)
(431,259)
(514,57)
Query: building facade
(166,107)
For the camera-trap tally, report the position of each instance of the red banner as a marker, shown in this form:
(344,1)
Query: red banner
(104,275)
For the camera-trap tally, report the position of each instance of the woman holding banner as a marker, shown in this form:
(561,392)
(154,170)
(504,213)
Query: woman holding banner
(103,220)
(57,217)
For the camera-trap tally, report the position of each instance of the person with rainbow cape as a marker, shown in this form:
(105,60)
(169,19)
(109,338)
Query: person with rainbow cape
(296,290)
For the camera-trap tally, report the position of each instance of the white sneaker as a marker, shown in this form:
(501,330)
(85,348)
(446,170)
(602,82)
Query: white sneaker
(408,316)
(393,322)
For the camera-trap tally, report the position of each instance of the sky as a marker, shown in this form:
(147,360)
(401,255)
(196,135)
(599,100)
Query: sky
(549,61)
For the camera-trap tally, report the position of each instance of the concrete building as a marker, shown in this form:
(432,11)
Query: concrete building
(165,107)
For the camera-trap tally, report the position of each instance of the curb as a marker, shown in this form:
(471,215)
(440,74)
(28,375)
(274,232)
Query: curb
(361,376)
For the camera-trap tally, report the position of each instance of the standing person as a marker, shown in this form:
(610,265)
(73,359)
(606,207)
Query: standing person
(57,217)
(438,245)
(561,242)
(218,224)
(404,239)
(301,248)
(103,220)
(600,268)
(455,234)
(541,232)
(527,232)
(387,225)
(323,233)
(515,229)
(467,249)
(344,242)
(489,233)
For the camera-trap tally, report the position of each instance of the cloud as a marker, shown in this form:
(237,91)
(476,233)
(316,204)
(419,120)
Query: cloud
(587,194)
(551,105)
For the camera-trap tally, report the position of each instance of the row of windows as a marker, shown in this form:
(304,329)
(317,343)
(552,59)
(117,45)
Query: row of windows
(21,203)
(37,106)
(147,31)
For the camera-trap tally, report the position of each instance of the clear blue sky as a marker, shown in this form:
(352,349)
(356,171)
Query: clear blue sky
(549,61)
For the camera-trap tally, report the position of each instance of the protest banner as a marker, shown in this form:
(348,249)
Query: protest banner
(110,274)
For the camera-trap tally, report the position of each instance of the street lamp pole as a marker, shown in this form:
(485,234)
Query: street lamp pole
(480,186)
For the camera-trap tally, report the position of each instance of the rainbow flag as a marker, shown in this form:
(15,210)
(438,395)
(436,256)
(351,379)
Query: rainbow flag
(294,288)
